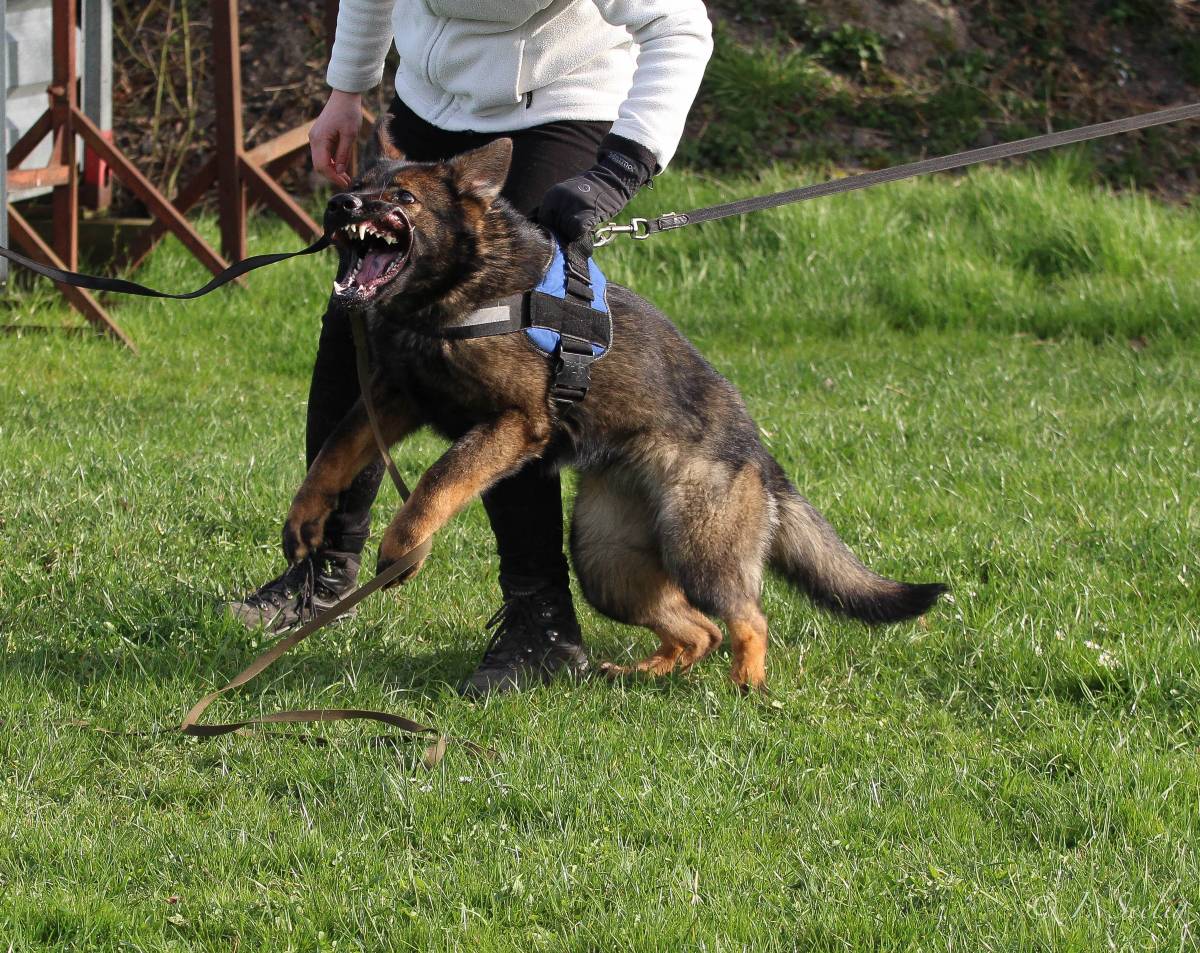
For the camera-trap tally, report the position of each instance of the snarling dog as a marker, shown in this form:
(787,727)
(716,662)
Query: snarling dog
(680,507)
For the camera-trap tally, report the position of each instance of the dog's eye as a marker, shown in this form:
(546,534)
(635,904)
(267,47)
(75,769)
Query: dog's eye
(404,197)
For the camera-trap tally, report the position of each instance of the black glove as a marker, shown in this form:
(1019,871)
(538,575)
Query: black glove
(572,209)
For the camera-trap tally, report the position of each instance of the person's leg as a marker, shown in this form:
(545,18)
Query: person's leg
(334,387)
(525,510)
(537,633)
(302,590)
(332,392)
(316,583)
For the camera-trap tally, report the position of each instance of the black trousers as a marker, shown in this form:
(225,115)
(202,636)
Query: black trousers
(525,509)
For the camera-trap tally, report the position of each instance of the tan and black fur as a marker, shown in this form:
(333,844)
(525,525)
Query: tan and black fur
(680,507)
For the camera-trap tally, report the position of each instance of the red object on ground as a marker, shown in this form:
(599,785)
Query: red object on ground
(96,171)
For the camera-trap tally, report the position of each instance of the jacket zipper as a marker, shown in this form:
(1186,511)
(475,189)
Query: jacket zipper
(429,77)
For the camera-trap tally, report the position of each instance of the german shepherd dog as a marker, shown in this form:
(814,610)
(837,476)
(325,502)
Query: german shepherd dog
(680,506)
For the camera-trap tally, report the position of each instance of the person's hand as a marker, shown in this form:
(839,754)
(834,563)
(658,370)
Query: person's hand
(333,134)
(572,209)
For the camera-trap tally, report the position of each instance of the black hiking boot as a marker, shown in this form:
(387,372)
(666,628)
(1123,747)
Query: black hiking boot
(300,593)
(536,635)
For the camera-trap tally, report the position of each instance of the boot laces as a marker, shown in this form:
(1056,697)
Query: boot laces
(518,627)
(300,585)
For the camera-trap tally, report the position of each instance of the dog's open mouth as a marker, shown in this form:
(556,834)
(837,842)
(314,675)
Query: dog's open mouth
(374,253)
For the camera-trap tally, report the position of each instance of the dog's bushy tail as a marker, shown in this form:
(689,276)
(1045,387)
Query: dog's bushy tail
(808,552)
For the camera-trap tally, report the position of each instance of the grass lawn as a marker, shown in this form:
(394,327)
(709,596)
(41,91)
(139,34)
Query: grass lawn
(990,380)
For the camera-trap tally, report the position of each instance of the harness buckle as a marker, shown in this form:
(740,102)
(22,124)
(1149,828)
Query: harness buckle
(638,228)
(572,371)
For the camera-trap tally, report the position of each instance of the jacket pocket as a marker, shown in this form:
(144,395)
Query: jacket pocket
(481,68)
(562,39)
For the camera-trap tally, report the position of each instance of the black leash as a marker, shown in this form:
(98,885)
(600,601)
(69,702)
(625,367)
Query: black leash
(642,228)
(98,283)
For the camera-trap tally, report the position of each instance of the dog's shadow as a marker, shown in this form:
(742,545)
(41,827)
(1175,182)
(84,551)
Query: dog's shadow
(143,669)
(181,636)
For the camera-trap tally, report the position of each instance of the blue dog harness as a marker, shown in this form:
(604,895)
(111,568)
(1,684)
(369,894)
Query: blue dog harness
(554,283)
(565,316)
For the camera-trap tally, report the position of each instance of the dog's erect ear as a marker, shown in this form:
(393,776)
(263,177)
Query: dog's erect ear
(384,147)
(482,171)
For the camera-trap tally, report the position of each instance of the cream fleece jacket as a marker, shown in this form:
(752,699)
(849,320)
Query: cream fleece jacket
(503,65)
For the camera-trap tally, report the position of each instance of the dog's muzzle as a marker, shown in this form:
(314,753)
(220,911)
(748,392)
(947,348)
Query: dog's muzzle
(375,241)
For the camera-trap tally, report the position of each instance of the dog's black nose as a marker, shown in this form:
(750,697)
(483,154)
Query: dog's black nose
(345,202)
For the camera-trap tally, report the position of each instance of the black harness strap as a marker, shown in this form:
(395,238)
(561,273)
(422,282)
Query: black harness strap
(577,324)
(572,374)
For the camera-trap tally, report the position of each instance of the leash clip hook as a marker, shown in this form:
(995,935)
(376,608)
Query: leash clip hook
(638,228)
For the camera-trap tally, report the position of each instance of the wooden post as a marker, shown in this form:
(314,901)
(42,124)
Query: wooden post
(62,99)
(82,301)
(227,77)
(96,96)
(63,121)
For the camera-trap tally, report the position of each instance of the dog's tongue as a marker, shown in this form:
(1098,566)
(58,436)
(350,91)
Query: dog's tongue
(374,264)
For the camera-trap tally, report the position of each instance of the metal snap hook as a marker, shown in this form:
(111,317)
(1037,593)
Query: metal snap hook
(638,228)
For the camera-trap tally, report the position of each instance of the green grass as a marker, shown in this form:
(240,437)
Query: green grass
(944,367)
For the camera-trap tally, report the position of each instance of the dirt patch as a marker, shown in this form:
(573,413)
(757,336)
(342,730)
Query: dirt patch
(915,31)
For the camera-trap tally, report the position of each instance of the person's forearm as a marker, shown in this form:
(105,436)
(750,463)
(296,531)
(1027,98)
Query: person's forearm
(364,32)
(675,41)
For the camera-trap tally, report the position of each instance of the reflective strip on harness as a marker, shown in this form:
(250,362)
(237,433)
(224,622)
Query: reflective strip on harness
(564,317)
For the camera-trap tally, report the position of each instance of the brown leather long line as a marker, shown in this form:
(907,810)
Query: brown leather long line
(433,754)
(362,365)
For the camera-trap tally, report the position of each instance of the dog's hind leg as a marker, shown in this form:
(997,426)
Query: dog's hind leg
(748,634)
(685,635)
(617,561)
(715,527)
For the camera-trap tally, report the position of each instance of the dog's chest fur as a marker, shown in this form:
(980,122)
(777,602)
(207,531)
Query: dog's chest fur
(456,385)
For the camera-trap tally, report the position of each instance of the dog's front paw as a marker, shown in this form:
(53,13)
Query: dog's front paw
(394,547)
(304,529)
(383,563)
